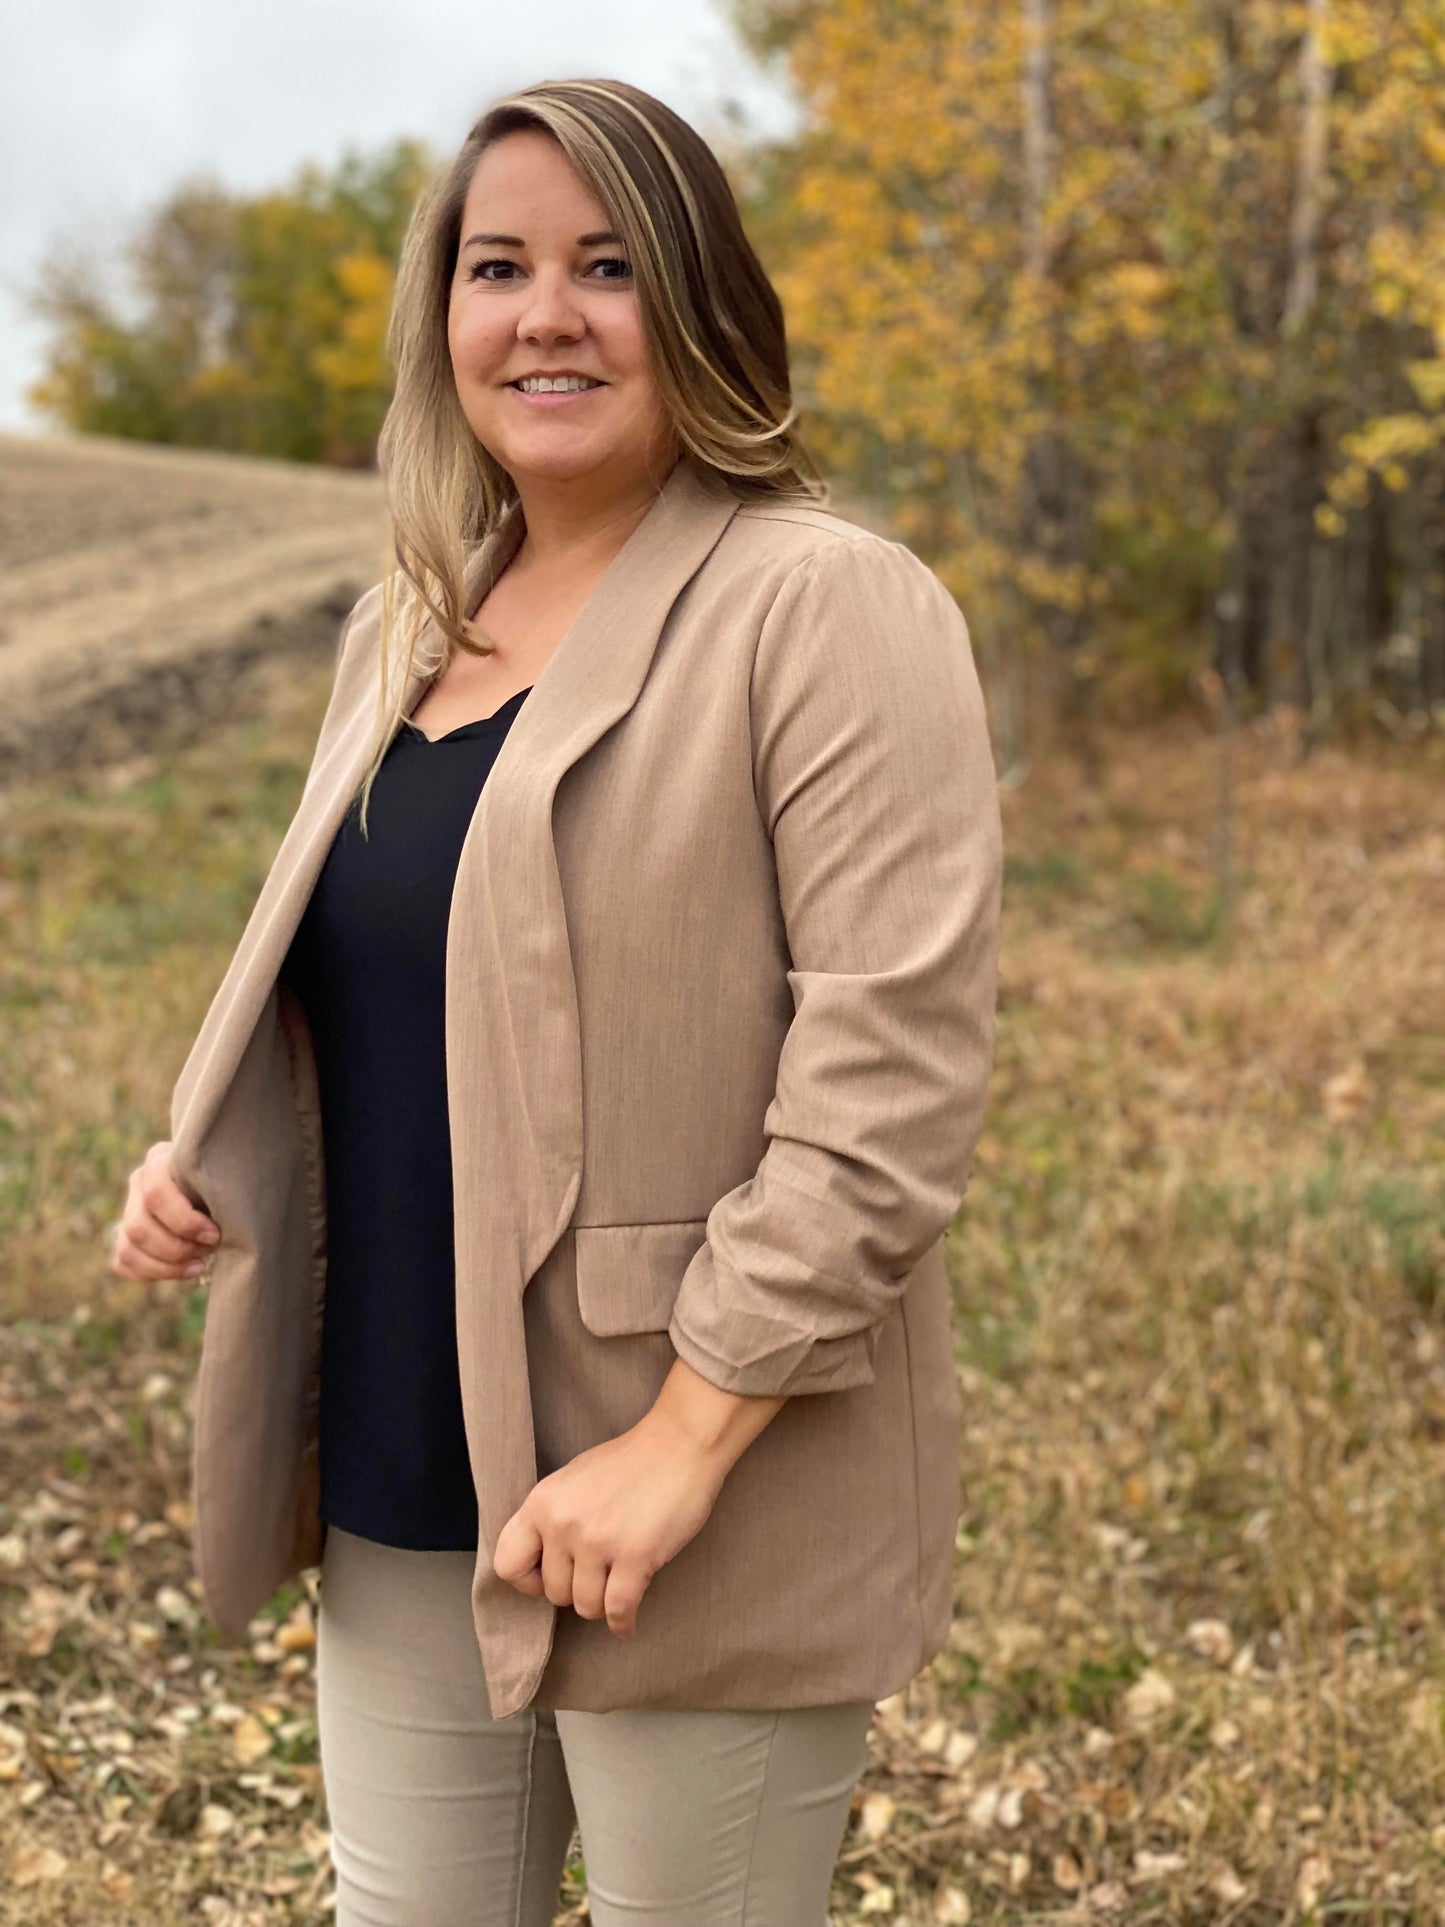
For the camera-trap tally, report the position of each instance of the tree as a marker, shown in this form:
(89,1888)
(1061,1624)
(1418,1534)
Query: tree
(1129,313)
(255,323)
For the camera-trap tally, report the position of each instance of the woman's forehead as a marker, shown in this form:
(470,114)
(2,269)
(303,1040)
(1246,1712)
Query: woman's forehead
(525,180)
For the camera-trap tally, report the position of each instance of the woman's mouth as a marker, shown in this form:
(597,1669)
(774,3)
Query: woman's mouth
(551,389)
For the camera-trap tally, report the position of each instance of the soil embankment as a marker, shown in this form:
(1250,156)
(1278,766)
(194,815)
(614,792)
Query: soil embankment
(141,589)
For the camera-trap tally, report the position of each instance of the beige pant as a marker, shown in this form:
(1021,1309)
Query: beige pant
(442,1816)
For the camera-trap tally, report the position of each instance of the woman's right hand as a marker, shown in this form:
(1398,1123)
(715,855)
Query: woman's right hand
(160,1234)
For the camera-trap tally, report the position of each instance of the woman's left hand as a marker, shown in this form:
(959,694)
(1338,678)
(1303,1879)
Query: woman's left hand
(592,1534)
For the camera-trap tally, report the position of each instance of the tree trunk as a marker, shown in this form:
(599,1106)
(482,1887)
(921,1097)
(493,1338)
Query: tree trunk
(1297,551)
(1052,511)
(1316,80)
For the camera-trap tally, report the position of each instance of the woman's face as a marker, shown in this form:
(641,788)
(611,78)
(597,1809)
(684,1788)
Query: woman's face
(543,289)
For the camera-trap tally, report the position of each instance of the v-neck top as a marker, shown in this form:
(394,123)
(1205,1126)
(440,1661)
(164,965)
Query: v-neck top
(368,963)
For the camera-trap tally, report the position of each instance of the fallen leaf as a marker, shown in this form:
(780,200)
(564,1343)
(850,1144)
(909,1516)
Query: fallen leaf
(1011,1808)
(115,1883)
(250,1741)
(1227,1886)
(1314,1877)
(1150,1696)
(875,1816)
(173,1606)
(1108,1897)
(33,1863)
(1068,1874)
(1153,1866)
(983,1809)
(1211,1639)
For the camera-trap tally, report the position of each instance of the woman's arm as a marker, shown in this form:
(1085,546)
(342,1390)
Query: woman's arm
(698,1416)
(875,777)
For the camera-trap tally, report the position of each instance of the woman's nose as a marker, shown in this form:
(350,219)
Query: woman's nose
(551,312)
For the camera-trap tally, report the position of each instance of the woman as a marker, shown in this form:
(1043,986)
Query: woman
(632,954)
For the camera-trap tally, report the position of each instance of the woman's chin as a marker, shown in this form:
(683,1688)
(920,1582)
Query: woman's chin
(557,465)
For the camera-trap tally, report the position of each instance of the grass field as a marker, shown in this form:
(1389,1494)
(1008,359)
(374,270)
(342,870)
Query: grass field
(1197,1672)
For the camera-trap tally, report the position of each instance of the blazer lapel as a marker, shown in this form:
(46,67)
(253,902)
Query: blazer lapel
(514,1054)
(513,1049)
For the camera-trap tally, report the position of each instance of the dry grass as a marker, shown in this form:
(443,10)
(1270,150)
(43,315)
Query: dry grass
(1197,1671)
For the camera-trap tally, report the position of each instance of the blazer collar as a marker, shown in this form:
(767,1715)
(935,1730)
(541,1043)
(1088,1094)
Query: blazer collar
(589,683)
(597,670)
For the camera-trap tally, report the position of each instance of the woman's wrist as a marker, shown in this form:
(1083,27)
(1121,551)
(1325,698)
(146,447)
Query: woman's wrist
(717,1425)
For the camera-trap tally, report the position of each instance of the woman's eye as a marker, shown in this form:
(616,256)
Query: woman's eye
(606,268)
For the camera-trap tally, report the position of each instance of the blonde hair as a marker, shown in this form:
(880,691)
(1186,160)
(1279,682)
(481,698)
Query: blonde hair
(711,318)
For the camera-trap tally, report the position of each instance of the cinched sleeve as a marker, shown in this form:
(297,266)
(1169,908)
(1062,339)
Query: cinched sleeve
(875,778)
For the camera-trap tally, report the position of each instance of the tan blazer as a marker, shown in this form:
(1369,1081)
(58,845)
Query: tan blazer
(720,988)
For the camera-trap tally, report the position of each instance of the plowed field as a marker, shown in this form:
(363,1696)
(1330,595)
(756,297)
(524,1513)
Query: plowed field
(140,588)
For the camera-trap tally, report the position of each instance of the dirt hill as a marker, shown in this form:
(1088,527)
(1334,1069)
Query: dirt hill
(142,588)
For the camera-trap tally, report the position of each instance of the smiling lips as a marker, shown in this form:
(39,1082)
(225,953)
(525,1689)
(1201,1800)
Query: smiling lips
(556,386)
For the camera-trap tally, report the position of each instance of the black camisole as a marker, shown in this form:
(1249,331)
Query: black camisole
(368,963)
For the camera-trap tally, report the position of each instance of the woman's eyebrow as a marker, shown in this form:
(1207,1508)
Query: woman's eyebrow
(516,241)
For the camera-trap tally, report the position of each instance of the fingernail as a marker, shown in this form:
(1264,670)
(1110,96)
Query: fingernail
(190,1271)
(210,1235)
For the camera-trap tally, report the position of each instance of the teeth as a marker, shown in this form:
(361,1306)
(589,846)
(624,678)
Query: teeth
(558,385)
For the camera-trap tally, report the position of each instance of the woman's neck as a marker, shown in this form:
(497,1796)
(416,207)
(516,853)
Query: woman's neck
(572,530)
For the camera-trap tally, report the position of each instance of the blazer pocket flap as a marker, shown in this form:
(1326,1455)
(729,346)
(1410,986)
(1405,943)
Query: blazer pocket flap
(628,1274)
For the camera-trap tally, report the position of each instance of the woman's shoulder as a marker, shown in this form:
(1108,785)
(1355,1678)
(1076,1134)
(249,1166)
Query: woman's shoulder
(796,525)
(810,542)
(829,597)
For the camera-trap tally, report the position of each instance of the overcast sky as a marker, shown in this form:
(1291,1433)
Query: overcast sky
(105,107)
